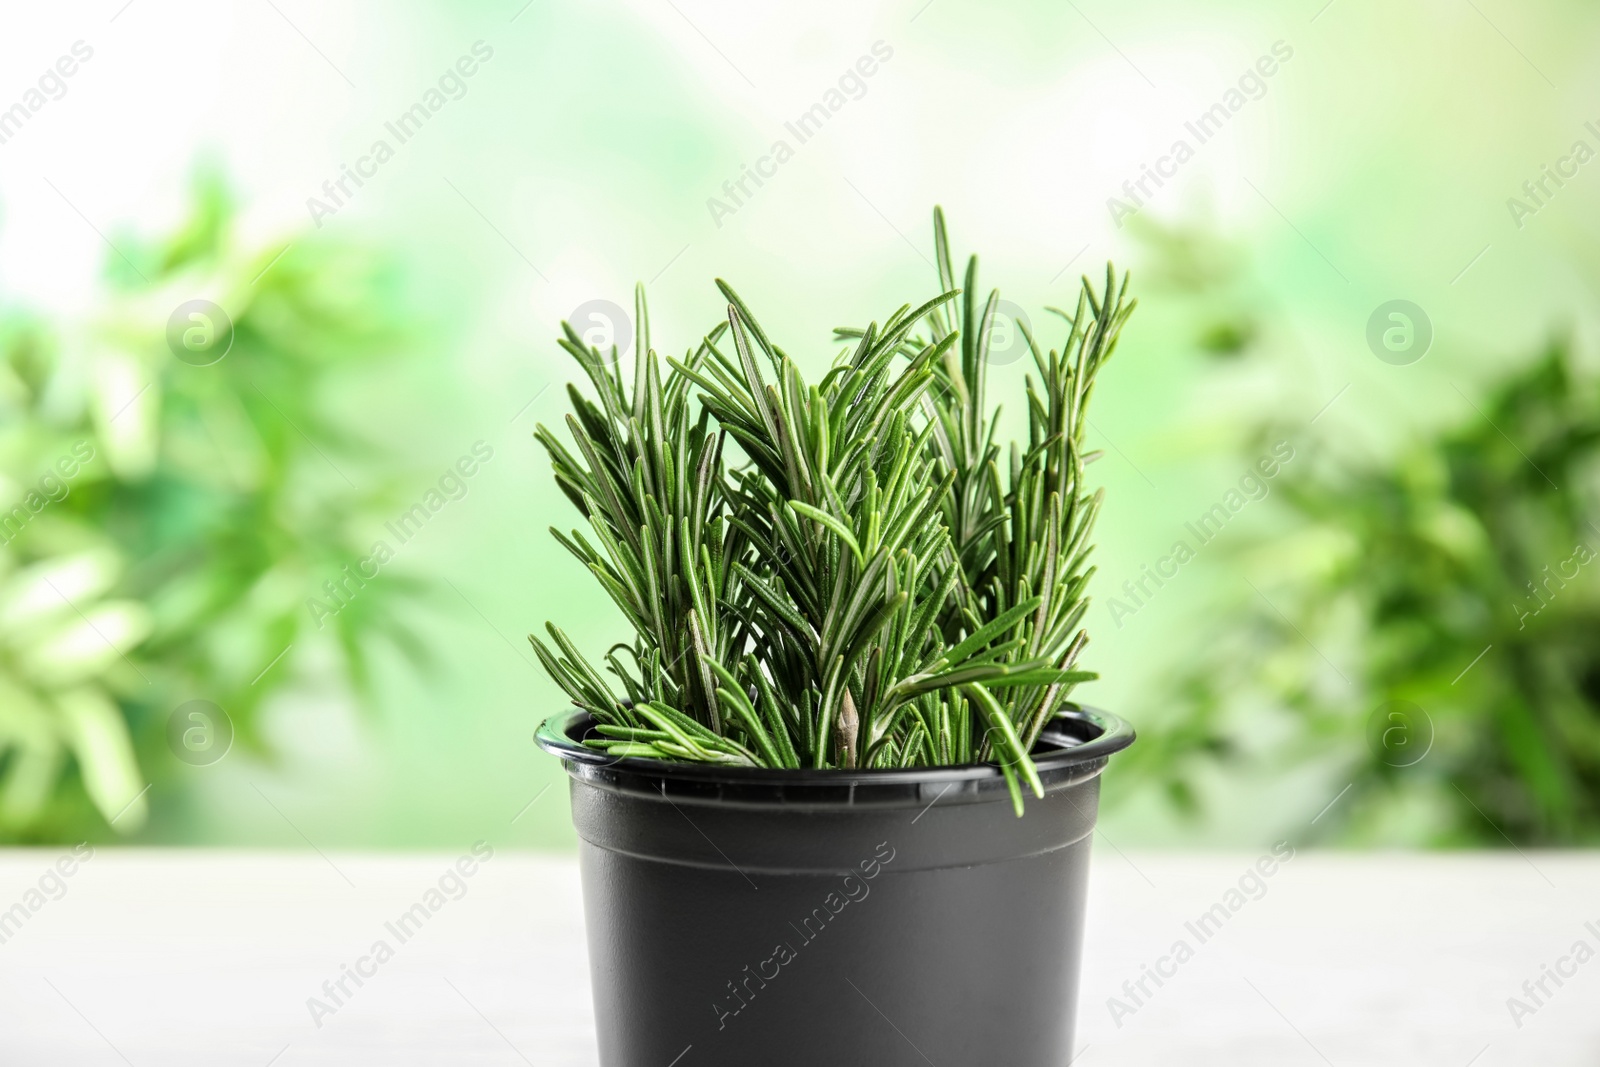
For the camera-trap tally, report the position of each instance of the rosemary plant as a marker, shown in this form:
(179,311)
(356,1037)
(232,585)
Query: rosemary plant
(854,583)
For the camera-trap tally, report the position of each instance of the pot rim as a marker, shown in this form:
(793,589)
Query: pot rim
(1075,744)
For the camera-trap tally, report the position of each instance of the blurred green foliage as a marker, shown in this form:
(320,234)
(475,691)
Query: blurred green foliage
(163,524)
(1422,624)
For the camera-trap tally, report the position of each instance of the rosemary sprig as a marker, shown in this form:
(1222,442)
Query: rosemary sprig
(861,587)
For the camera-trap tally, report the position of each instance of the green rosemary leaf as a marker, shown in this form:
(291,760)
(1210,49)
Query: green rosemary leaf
(818,515)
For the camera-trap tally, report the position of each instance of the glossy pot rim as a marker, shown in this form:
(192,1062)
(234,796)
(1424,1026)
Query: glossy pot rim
(1073,746)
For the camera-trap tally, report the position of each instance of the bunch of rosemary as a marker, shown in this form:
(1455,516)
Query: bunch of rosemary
(841,575)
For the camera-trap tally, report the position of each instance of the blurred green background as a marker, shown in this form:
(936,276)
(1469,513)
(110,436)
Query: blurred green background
(1373,652)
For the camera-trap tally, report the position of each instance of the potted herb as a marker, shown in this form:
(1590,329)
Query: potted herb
(800,793)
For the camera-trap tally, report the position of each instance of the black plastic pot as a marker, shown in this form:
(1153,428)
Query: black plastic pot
(775,918)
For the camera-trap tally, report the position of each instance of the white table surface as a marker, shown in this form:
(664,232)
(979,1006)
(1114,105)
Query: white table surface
(190,957)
